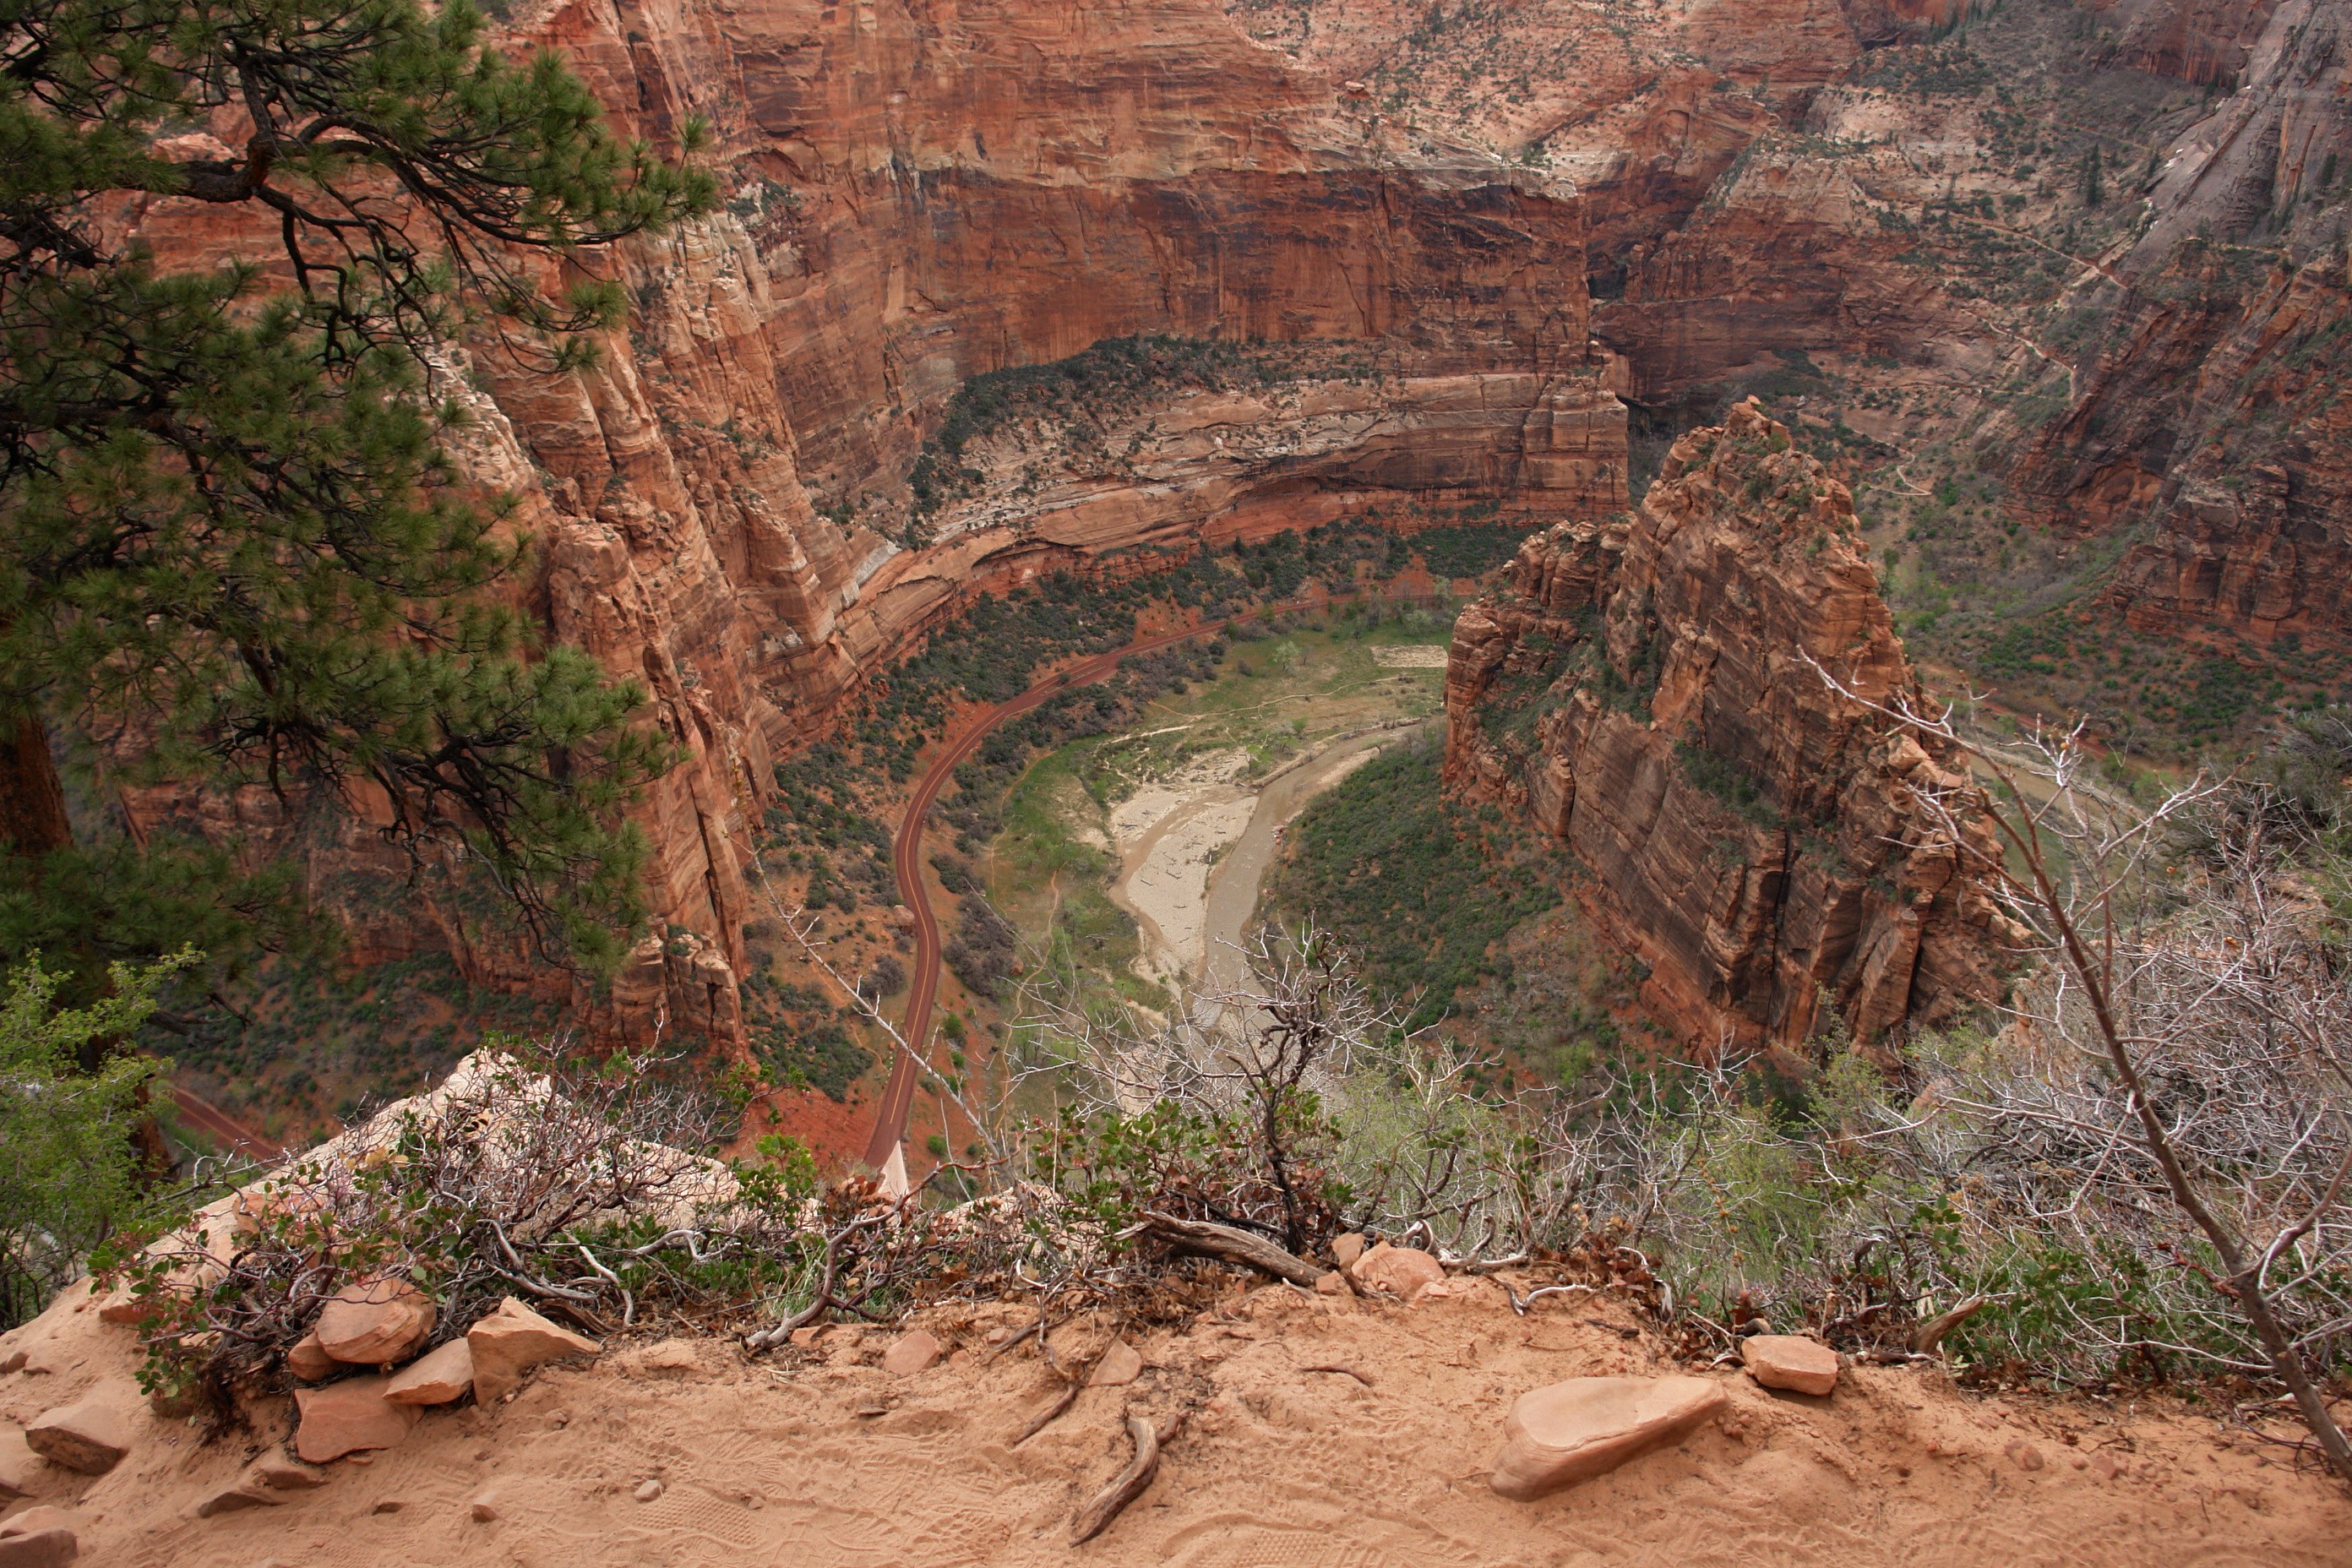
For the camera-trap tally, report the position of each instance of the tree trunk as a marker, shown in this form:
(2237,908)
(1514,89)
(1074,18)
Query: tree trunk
(32,818)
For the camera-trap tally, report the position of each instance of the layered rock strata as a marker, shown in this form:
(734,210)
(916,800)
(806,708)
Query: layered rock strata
(2215,411)
(1655,693)
(916,194)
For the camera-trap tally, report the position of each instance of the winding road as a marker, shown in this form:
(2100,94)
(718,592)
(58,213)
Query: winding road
(216,1124)
(906,853)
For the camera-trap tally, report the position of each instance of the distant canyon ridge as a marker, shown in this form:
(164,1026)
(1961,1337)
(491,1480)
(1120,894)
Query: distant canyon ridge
(1467,292)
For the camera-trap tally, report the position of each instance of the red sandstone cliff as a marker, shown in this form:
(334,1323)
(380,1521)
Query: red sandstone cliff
(917,192)
(2214,409)
(1642,691)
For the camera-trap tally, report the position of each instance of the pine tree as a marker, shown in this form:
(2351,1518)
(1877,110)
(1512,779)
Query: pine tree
(233,550)
(2095,185)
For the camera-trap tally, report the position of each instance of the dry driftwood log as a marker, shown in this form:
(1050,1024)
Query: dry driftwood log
(1227,1244)
(1930,1334)
(1130,1482)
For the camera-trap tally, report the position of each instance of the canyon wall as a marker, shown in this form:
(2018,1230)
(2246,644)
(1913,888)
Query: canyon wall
(917,192)
(2213,409)
(1651,693)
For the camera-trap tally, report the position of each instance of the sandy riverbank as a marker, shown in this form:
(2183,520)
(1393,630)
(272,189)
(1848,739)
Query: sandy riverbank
(1194,848)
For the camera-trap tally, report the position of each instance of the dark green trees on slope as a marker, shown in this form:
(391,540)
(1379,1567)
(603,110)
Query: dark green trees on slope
(232,551)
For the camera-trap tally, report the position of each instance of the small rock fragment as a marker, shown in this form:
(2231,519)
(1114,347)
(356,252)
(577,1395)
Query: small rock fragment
(484,1508)
(122,1308)
(1587,1426)
(440,1376)
(282,1474)
(308,1362)
(1346,1249)
(1330,1284)
(91,1435)
(805,1336)
(512,1341)
(1398,1271)
(1119,1365)
(389,1505)
(911,1352)
(13,1361)
(236,1499)
(375,1322)
(1785,1360)
(647,1491)
(668,1355)
(2024,1456)
(349,1417)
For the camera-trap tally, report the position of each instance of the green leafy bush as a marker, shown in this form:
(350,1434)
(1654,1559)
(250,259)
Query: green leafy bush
(70,1175)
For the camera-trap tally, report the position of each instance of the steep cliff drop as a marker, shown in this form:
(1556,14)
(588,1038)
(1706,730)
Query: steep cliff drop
(737,506)
(1647,693)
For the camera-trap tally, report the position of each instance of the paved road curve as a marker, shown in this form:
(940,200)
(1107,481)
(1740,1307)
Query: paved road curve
(218,1124)
(906,852)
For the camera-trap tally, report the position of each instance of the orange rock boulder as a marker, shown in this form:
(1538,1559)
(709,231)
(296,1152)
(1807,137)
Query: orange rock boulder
(91,1435)
(349,1417)
(1786,1361)
(441,1376)
(377,1322)
(511,1341)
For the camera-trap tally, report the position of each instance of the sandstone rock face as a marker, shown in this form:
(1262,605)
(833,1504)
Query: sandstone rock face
(91,1435)
(374,1324)
(1786,1361)
(1399,1270)
(915,195)
(1642,692)
(1587,1426)
(349,1417)
(512,1341)
(440,1376)
(2216,411)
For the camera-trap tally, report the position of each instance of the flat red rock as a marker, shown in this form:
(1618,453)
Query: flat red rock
(439,1376)
(91,1435)
(349,1417)
(1786,1361)
(1587,1426)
